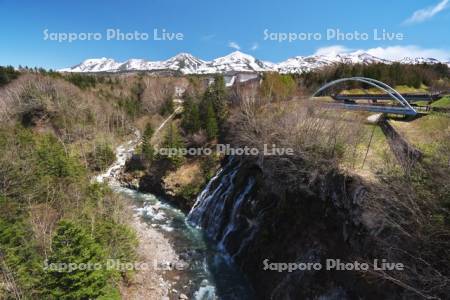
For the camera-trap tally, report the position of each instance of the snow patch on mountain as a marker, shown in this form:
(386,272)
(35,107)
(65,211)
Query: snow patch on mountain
(237,61)
(418,60)
(185,63)
(95,65)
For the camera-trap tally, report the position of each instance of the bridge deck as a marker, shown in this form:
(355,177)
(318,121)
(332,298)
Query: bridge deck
(383,97)
(374,108)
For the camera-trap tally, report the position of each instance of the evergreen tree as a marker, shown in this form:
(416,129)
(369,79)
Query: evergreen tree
(174,142)
(167,107)
(211,127)
(18,249)
(138,89)
(72,245)
(54,161)
(7,74)
(191,116)
(101,158)
(206,99)
(219,98)
(147,148)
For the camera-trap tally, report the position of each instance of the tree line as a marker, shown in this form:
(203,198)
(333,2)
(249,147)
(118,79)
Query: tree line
(7,74)
(207,112)
(431,75)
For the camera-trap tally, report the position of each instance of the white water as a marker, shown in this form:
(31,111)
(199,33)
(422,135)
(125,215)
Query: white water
(212,276)
(209,211)
(218,210)
(231,226)
(123,152)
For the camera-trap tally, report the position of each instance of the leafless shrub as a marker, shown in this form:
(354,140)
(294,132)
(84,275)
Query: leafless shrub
(43,219)
(408,233)
(54,104)
(197,139)
(244,91)
(400,219)
(315,133)
(157,90)
(8,280)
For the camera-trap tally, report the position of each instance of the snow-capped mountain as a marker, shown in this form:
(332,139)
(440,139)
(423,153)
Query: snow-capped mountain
(95,65)
(139,64)
(301,64)
(240,62)
(184,62)
(418,60)
(236,62)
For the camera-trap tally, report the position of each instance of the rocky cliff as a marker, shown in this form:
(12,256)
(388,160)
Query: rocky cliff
(273,211)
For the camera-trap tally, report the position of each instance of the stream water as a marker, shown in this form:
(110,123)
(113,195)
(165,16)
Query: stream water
(209,273)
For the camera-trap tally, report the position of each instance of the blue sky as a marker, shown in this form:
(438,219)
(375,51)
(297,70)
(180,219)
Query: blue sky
(215,28)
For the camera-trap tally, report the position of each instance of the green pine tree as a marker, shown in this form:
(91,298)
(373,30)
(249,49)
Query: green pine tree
(206,99)
(147,147)
(219,98)
(101,158)
(54,161)
(191,116)
(212,130)
(174,141)
(167,107)
(72,244)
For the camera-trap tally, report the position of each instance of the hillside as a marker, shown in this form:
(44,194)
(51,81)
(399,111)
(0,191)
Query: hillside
(345,192)
(56,134)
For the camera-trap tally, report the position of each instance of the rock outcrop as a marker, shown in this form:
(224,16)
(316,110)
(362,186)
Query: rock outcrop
(274,211)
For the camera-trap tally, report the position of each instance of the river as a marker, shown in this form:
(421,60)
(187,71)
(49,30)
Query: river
(208,272)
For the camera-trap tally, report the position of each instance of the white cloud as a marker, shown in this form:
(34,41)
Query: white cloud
(399,52)
(254,46)
(234,45)
(332,50)
(427,13)
(390,53)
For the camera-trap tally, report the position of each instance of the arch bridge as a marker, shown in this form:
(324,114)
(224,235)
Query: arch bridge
(405,107)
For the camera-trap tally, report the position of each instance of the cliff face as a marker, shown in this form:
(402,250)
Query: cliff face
(272,211)
(163,179)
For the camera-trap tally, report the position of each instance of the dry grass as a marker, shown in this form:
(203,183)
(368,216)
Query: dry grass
(319,135)
(403,211)
(190,173)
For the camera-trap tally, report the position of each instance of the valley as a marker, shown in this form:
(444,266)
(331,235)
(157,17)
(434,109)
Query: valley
(81,166)
(224,150)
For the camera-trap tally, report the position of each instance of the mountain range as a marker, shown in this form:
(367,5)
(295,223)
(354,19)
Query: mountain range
(235,62)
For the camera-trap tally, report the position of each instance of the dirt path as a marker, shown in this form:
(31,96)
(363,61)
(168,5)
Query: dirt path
(155,137)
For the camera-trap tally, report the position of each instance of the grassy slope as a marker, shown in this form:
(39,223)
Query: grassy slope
(429,133)
(443,103)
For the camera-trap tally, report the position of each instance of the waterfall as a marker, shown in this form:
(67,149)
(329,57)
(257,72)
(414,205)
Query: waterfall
(170,221)
(231,226)
(218,209)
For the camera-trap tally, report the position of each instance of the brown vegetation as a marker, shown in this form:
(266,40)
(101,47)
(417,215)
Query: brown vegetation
(407,207)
